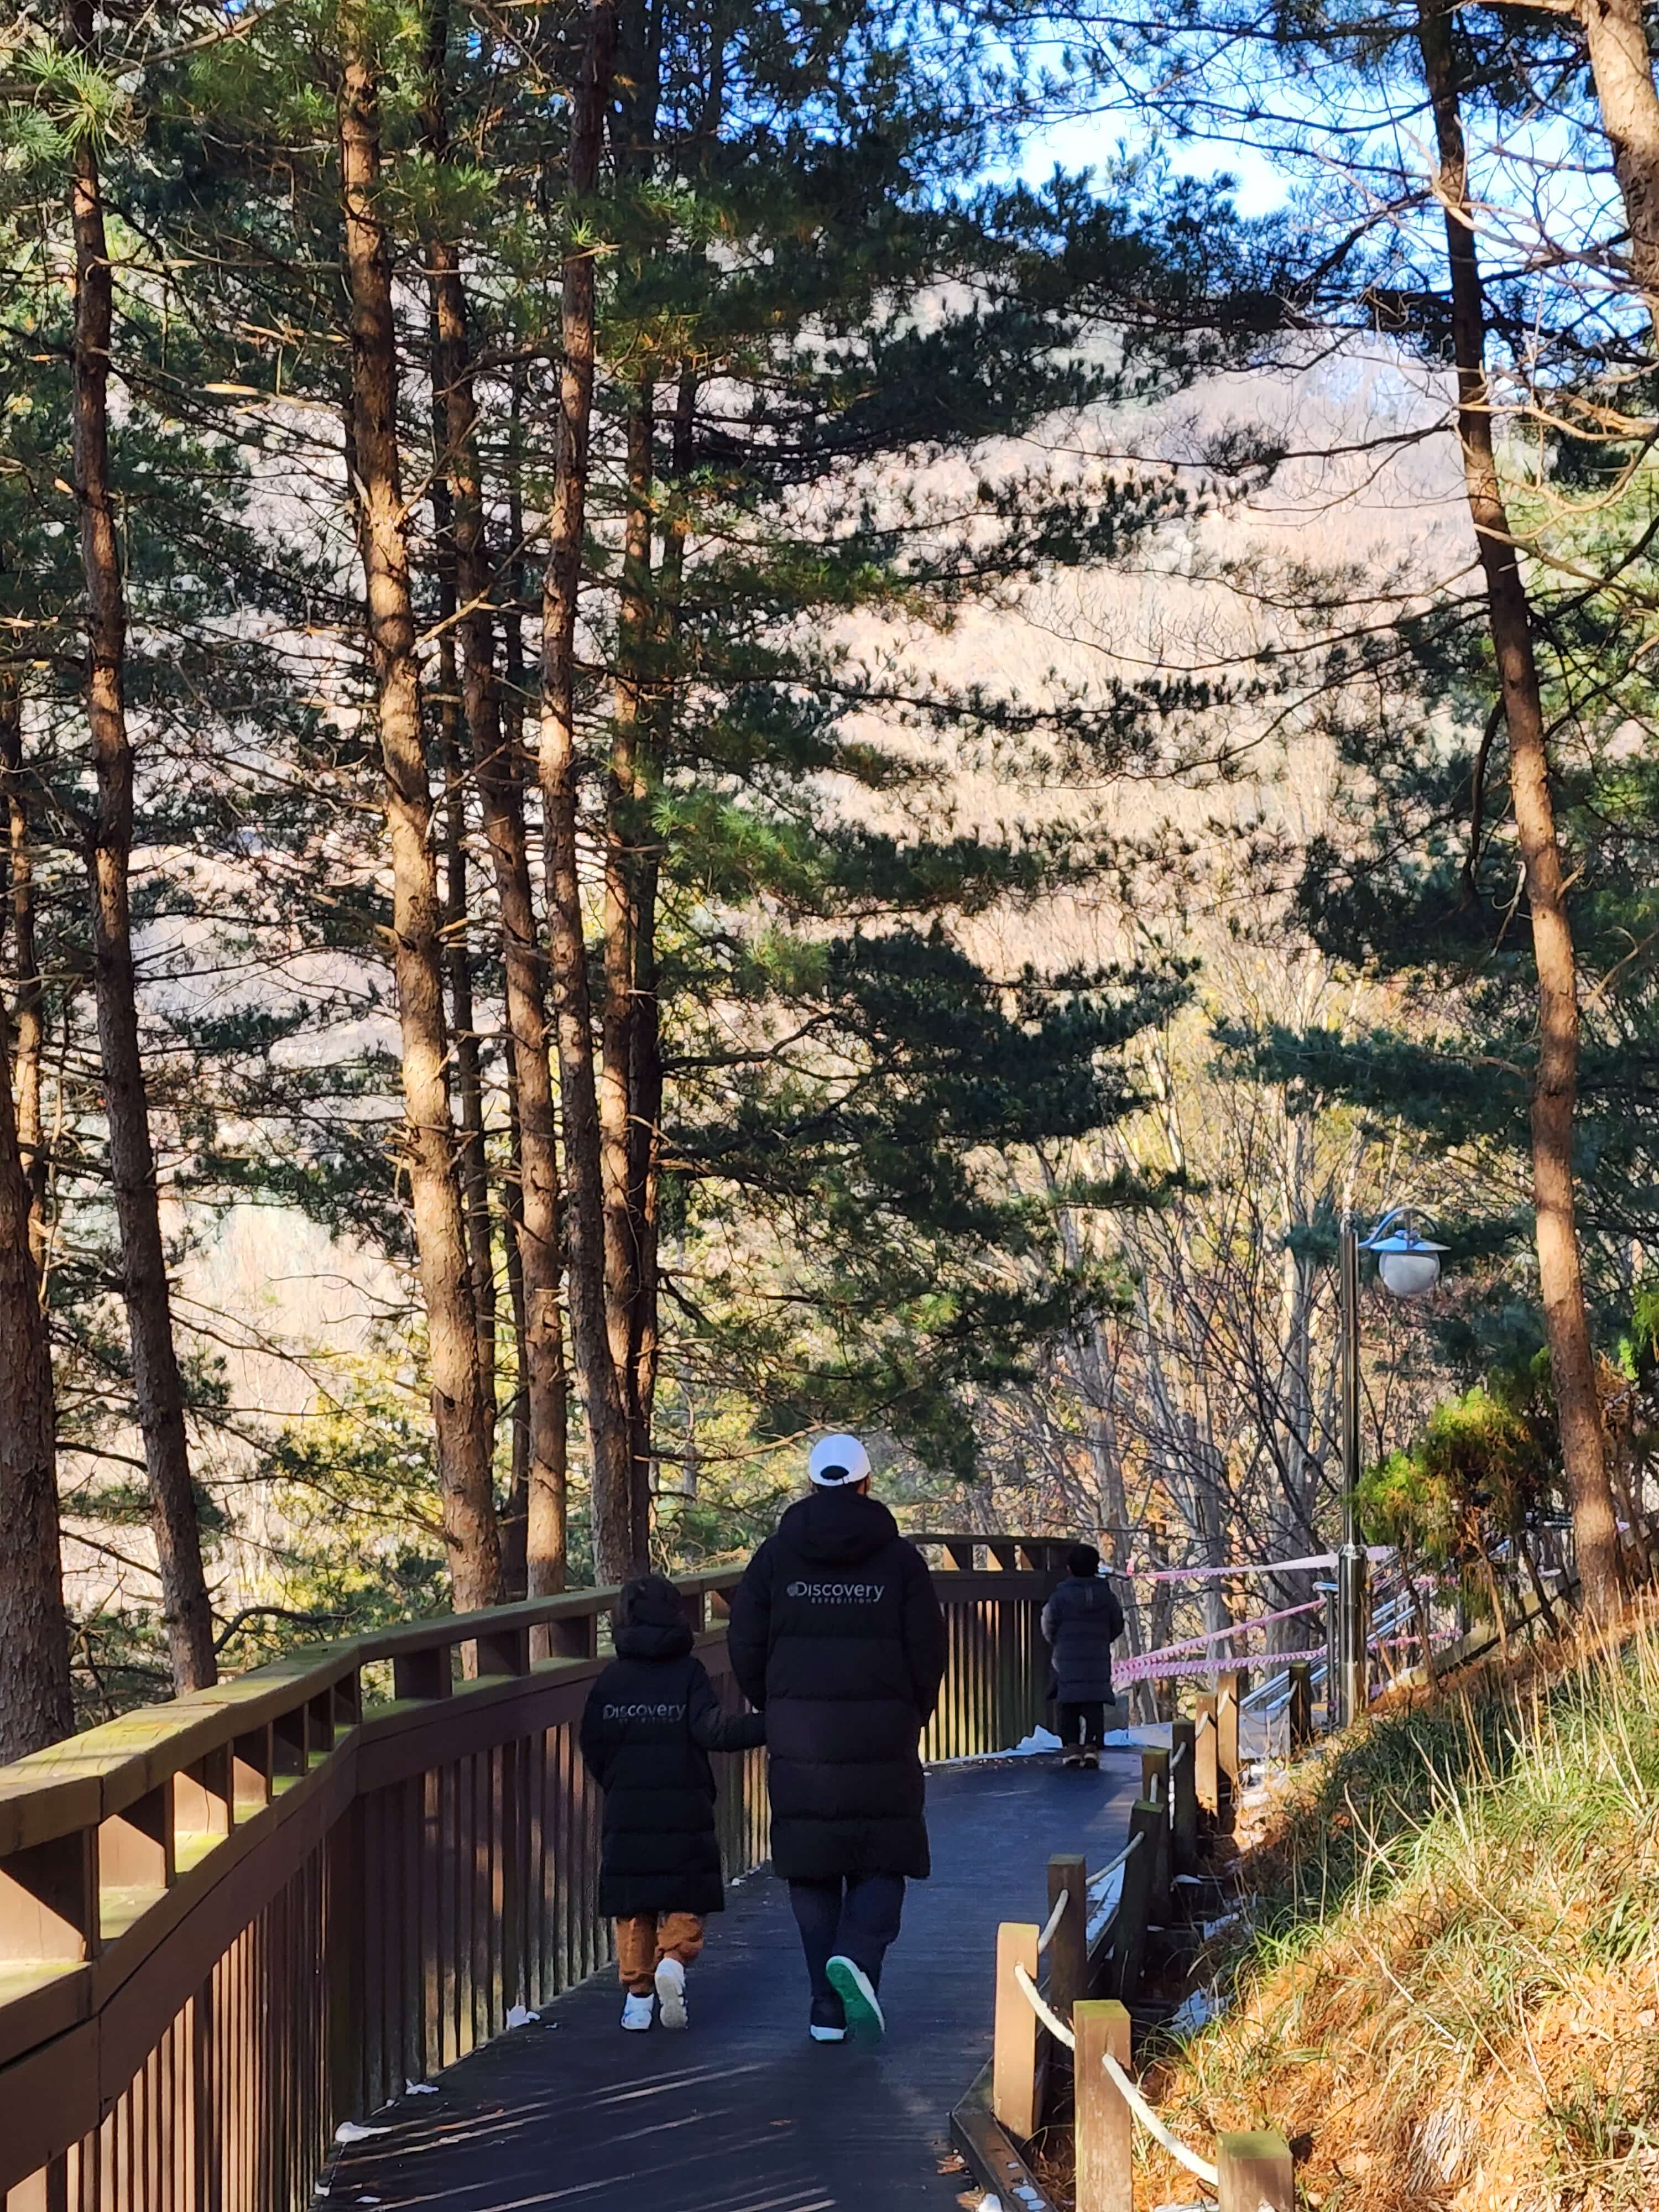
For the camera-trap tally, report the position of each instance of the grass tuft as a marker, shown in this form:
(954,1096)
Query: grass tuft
(1449,1986)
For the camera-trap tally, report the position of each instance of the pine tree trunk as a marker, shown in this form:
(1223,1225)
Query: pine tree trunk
(157,1389)
(495,744)
(607,1429)
(28,1027)
(627,783)
(1556,1078)
(472,1162)
(515,1521)
(1616,32)
(645,1046)
(537,1205)
(460,1413)
(35,1709)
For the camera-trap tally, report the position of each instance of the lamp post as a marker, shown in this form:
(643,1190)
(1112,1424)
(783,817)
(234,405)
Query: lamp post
(1409,1264)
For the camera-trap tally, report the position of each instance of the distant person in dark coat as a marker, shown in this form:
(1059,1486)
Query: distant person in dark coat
(836,1632)
(1081,1622)
(651,1721)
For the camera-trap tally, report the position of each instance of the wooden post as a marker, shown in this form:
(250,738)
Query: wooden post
(1105,2170)
(1014,2050)
(1254,2174)
(1183,1797)
(1068,1953)
(1207,1775)
(1133,1911)
(1301,1704)
(1230,1692)
(1155,1788)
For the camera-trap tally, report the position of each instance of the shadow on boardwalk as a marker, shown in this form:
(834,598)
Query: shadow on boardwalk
(745,2114)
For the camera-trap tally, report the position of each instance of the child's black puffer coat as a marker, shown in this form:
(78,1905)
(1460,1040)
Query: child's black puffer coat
(651,1721)
(1082,1621)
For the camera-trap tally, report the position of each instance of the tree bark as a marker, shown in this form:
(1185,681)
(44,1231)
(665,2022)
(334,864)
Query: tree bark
(515,1521)
(495,744)
(537,1205)
(28,1026)
(627,783)
(472,1162)
(35,1707)
(157,1389)
(1555,1081)
(608,1441)
(1616,33)
(460,1413)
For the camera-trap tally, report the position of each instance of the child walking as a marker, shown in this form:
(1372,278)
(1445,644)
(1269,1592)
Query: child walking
(651,1721)
(1081,1622)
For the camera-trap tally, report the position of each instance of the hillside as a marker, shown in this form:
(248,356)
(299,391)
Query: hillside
(1448,1995)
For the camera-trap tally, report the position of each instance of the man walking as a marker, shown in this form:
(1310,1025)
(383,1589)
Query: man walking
(837,1635)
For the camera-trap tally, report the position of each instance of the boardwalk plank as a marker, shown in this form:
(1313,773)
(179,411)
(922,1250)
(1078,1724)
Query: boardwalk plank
(745,2114)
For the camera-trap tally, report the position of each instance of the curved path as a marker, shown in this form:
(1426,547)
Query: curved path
(745,2114)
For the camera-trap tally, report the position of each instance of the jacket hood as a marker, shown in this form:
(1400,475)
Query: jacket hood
(839,1527)
(656,1629)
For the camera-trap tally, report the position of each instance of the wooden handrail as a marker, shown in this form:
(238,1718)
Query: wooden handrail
(281,1881)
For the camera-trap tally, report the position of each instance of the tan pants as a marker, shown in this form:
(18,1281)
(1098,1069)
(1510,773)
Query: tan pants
(645,1938)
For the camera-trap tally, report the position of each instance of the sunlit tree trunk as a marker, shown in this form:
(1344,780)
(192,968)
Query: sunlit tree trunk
(627,784)
(494,741)
(35,1666)
(1555,1080)
(158,1391)
(28,1024)
(1621,63)
(460,1413)
(607,1429)
(466,1060)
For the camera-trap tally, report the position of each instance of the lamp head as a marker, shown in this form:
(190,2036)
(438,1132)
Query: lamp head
(1409,1264)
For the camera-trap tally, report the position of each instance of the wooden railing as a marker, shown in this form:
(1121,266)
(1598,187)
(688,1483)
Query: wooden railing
(1093,1945)
(230,1923)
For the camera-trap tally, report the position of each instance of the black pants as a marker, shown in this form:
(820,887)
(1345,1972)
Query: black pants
(1085,1724)
(855,1918)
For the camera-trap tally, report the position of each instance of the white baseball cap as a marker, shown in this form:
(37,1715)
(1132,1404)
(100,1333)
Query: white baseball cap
(838,1460)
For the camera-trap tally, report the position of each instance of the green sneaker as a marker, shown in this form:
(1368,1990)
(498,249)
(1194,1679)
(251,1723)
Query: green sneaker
(859,2000)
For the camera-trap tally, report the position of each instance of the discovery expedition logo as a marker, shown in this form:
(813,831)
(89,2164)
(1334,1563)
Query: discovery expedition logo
(838,1593)
(643,1712)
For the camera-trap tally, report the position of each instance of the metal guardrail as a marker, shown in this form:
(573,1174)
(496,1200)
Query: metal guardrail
(229,1923)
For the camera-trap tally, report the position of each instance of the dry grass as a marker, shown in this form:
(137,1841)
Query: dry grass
(1449,1995)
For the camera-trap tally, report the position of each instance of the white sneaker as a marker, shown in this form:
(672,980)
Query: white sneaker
(636,2013)
(857,1993)
(671,1992)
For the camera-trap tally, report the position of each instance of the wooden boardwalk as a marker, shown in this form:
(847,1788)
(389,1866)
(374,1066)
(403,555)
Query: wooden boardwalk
(744,2113)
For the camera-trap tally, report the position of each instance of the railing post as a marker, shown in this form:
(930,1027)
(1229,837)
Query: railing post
(574,1636)
(1069,1952)
(1014,2049)
(1155,1788)
(1207,1772)
(1230,1692)
(1183,1797)
(1301,1704)
(1103,2131)
(1253,2173)
(49,1900)
(1133,1911)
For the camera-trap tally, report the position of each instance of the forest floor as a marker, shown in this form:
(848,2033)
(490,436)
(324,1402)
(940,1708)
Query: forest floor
(1445,1991)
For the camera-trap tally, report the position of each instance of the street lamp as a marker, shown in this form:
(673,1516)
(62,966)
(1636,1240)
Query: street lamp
(1409,1264)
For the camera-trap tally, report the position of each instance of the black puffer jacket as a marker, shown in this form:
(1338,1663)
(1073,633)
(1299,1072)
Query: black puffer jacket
(836,1632)
(651,1721)
(1082,1621)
